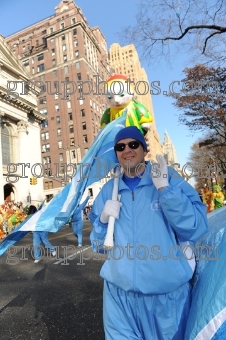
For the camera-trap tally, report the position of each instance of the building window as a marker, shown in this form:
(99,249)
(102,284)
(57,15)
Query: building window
(62,170)
(26,62)
(37,42)
(73,21)
(52,41)
(56,96)
(69,105)
(41,68)
(51,30)
(60,144)
(43,111)
(70,116)
(44,32)
(62,26)
(75,43)
(53,51)
(42,100)
(57,108)
(58,132)
(6,141)
(61,157)
(64,47)
(77,65)
(71,129)
(81,101)
(65,69)
(47,160)
(45,135)
(43,40)
(54,62)
(45,147)
(85,139)
(73,154)
(63,37)
(74,31)
(72,142)
(48,172)
(44,124)
(54,73)
(58,119)
(76,54)
(48,185)
(79,76)
(65,58)
(86,150)
(82,113)
(84,126)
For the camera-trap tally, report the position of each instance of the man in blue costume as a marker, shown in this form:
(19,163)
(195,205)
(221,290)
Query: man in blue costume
(146,276)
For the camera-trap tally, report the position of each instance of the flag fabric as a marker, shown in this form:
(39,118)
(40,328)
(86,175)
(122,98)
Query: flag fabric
(96,164)
(207,318)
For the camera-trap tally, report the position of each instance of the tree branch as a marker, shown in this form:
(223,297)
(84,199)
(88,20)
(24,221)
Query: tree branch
(189,28)
(205,43)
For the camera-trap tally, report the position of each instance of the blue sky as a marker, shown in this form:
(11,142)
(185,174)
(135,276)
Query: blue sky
(111,16)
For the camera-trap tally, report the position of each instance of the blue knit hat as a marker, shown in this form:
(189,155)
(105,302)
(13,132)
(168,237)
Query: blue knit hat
(131,132)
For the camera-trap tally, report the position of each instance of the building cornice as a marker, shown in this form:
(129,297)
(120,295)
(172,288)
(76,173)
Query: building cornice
(21,104)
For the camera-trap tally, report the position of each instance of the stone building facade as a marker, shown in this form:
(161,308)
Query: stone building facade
(20,133)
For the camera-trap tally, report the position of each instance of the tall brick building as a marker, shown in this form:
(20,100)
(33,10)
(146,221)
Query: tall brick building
(60,52)
(125,60)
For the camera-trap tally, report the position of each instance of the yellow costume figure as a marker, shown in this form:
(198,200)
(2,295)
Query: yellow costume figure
(120,96)
(218,197)
(207,198)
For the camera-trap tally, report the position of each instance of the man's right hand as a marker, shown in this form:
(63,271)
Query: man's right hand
(111,208)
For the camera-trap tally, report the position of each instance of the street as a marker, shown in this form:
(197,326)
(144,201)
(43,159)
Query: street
(58,298)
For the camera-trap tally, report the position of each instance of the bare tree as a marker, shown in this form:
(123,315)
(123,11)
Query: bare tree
(163,27)
(208,162)
(202,101)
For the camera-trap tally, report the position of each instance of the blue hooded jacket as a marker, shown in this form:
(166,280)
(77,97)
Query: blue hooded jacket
(147,256)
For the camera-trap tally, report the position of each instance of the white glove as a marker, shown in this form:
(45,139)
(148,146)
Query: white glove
(160,179)
(146,126)
(111,208)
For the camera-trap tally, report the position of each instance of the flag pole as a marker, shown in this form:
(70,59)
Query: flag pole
(109,239)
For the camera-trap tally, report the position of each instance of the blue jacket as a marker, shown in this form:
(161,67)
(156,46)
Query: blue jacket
(146,256)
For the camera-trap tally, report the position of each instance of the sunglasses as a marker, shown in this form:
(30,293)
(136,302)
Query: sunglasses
(134,144)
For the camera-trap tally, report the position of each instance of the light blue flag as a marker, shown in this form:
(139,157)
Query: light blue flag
(96,164)
(207,318)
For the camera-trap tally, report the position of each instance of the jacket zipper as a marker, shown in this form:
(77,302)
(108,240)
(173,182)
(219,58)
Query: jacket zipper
(132,195)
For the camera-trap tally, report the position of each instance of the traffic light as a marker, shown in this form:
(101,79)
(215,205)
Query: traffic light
(33,180)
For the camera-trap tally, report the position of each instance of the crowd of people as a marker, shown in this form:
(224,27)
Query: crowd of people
(11,215)
(213,199)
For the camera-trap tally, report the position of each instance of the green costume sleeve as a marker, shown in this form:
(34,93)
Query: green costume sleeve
(105,119)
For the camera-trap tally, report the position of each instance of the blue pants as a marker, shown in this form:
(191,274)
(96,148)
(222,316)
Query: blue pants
(135,316)
(77,230)
(38,237)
